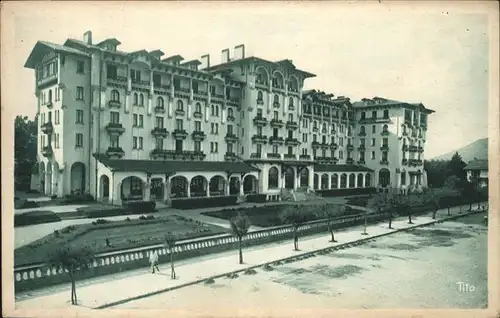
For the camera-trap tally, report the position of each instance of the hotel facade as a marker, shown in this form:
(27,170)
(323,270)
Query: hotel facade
(141,126)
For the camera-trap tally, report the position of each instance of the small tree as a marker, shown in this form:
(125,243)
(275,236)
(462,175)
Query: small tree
(240,225)
(375,203)
(295,216)
(394,203)
(433,197)
(72,260)
(329,213)
(170,240)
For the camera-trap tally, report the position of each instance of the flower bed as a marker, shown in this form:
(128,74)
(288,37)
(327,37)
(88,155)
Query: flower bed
(35,217)
(197,203)
(120,235)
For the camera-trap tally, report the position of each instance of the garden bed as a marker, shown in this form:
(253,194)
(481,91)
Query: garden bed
(269,215)
(35,217)
(120,234)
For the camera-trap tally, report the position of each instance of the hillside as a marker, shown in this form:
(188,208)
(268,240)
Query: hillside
(478,149)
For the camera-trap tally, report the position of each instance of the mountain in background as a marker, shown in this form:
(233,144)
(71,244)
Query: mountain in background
(478,149)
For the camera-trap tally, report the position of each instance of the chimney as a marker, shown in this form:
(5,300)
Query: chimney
(205,61)
(224,56)
(239,52)
(87,37)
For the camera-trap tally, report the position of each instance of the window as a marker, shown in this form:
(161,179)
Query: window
(180,105)
(259,131)
(159,122)
(141,100)
(276,99)
(362,141)
(385,142)
(80,65)
(290,102)
(114,117)
(304,137)
(259,96)
(214,147)
(79,116)
(56,121)
(275,148)
(373,142)
(229,129)
(178,145)
(362,130)
(259,148)
(197,146)
(178,124)
(341,154)
(157,80)
(115,95)
(56,141)
(341,141)
(114,141)
(198,108)
(141,121)
(374,114)
(111,71)
(134,142)
(135,120)
(79,93)
(135,75)
(217,110)
(259,113)
(140,142)
(384,129)
(290,117)
(229,148)
(276,115)
(197,125)
(136,99)
(373,155)
(384,156)
(137,142)
(290,134)
(386,113)
(314,138)
(363,115)
(50,96)
(79,140)
(212,89)
(160,102)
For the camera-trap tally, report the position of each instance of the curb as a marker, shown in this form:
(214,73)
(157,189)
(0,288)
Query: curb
(289,259)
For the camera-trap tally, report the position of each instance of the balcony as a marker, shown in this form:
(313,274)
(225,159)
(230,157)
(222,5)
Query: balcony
(373,120)
(333,132)
(256,155)
(361,162)
(230,156)
(198,114)
(47,151)
(260,102)
(272,155)
(292,125)
(361,148)
(198,135)
(275,140)
(420,149)
(415,162)
(161,86)
(333,146)
(49,104)
(231,137)
(405,148)
(217,96)
(49,80)
(276,123)
(349,147)
(276,105)
(405,133)
(384,148)
(47,128)
(116,79)
(116,152)
(230,118)
(259,139)
(315,129)
(384,162)
(260,121)
(362,134)
(291,107)
(114,104)
(290,156)
(325,159)
(305,157)
(404,162)
(158,154)
(184,155)
(413,148)
(180,112)
(159,110)
(159,132)
(292,142)
(385,133)
(180,134)
(115,128)
(349,161)
(315,144)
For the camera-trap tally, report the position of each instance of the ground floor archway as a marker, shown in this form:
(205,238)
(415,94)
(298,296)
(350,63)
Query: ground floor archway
(157,189)
(249,184)
(198,186)
(324,181)
(384,177)
(77,175)
(104,187)
(316,181)
(304,178)
(234,186)
(289,178)
(217,186)
(132,188)
(178,187)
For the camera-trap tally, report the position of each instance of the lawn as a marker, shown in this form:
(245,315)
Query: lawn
(269,215)
(120,234)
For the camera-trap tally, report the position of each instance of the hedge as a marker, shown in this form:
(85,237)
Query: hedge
(35,217)
(77,198)
(345,192)
(140,206)
(25,204)
(256,198)
(204,202)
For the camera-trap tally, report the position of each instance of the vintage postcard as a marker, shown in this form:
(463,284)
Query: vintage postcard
(264,159)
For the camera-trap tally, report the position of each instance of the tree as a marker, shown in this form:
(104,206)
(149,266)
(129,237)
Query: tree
(432,196)
(25,149)
(394,202)
(329,214)
(170,240)
(240,225)
(437,172)
(295,216)
(456,167)
(375,203)
(72,260)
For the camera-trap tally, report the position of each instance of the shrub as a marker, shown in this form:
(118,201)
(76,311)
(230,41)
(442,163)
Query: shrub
(33,191)
(197,203)
(345,192)
(267,268)
(100,221)
(56,233)
(53,197)
(35,217)
(77,198)
(257,198)
(232,275)
(136,207)
(25,204)
(127,219)
(209,281)
(250,271)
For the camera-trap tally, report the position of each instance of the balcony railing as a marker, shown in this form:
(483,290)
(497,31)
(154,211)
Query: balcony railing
(334,145)
(325,144)
(362,134)
(158,154)
(404,162)
(259,120)
(385,133)
(180,134)
(260,102)
(292,141)
(159,132)
(185,155)
(47,151)
(292,125)
(197,114)
(420,149)
(198,135)
(47,128)
(159,109)
(315,144)
(115,152)
(115,128)
(349,161)
(259,138)
(256,155)
(272,155)
(180,112)
(350,147)
(361,162)
(51,79)
(315,129)
(114,104)
(384,162)
(275,140)
(230,118)
(217,95)
(276,105)
(291,107)
(361,148)
(405,133)
(305,157)
(229,156)
(276,123)
(384,148)
(231,138)
(290,156)
(405,148)
(413,148)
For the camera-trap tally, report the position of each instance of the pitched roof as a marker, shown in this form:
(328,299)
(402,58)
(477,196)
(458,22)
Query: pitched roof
(168,166)
(42,47)
(340,168)
(112,41)
(381,102)
(477,164)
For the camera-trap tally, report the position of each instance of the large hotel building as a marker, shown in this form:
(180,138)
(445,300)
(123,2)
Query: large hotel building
(140,125)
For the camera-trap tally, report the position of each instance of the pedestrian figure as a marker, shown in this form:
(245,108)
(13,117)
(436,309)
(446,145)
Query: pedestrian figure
(153,260)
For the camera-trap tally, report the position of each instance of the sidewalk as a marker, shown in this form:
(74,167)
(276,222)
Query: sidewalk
(144,283)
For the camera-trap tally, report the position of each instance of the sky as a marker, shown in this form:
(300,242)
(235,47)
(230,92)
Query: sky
(437,56)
